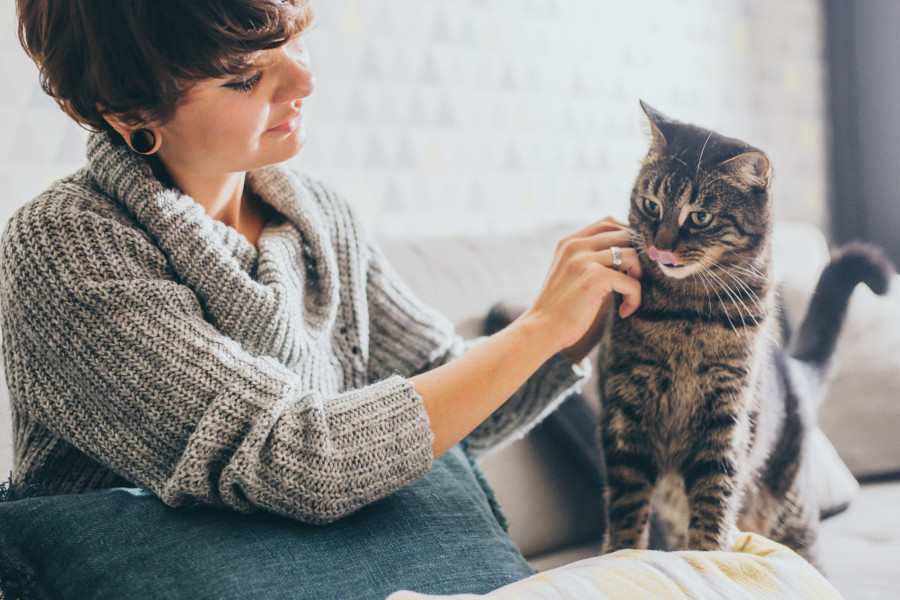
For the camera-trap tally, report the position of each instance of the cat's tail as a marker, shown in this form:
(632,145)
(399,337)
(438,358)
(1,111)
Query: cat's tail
(850,265)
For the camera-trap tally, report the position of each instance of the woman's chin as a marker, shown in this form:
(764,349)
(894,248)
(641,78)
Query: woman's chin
(285,148)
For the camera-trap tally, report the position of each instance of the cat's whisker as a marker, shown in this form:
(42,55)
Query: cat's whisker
(637,243)
(760,277)
(713,263)
(799,289)
(624,228)
(756,270)
(694,281)
(748,290)
(734,300)
(700,160)
(703,280)
(750,294)
(752,272)
(734,297)
(738,268)
(722,302)
(737,295)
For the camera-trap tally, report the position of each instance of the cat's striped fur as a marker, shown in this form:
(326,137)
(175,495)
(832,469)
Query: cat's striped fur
(699,401)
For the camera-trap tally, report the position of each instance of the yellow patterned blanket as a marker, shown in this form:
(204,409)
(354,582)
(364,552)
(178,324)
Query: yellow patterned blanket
(757,569)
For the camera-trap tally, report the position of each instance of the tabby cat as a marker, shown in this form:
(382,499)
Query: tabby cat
(701,407)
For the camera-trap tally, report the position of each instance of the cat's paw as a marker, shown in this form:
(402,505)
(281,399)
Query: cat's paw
(615,546)
(707,544)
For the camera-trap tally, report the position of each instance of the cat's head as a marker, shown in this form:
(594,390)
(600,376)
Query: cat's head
(699,199)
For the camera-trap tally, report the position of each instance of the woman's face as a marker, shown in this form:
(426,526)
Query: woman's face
(239,124)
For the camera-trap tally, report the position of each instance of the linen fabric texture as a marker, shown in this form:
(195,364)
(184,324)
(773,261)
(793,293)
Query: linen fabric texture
(149,345)
(756,568)
(439,535)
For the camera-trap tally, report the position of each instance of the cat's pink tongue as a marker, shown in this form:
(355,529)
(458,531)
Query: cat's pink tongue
(663,256)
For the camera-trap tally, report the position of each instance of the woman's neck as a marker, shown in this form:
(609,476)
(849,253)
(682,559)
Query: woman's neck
(224,197)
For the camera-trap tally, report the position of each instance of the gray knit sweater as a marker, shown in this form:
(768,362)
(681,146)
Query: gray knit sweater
(146,343)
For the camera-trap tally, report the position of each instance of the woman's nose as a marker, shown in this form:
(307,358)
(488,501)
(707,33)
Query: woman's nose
(298,79)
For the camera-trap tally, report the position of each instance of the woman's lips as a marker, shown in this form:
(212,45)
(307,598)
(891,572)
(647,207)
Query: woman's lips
(290,124)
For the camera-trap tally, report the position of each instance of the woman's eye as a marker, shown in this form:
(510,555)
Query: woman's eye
(651,208)
(247,85)
(701,218)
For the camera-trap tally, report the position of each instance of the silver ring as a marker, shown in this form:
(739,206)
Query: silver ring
(617,257)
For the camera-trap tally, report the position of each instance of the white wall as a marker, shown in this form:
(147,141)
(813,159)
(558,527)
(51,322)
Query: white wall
(440,118)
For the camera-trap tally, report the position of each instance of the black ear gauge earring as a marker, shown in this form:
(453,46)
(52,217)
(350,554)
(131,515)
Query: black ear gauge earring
(143,141)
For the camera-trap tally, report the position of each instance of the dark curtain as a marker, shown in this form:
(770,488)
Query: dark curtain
(862,45)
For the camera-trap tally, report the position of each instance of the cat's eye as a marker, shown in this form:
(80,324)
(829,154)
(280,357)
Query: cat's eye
(701,218)
(652,208)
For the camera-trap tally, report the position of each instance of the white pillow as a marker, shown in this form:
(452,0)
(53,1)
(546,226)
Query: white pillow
(861,412)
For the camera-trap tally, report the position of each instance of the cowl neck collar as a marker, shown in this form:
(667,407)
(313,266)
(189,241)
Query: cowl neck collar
(218,262)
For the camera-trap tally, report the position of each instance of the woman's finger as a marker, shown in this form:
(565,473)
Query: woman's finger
(601,226)
(630,265)
(602,241)
(630,289)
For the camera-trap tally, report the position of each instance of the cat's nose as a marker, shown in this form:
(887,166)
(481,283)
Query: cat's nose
(664,256)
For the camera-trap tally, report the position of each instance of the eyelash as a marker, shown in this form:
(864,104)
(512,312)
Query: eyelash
(246,86)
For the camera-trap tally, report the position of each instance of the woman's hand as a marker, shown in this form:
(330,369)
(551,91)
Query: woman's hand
(461,394)
(571,305)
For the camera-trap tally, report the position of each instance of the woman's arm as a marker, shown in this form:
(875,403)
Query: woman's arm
(407,336)
(110,354)
(461,394)
(463,384)
(565,317)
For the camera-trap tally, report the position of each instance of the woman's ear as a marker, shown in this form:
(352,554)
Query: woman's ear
(115,122)
(148,142)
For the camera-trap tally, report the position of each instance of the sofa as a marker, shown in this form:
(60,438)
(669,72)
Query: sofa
(548,488)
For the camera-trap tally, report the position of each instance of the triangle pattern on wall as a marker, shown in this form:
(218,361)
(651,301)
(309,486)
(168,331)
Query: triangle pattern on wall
(526,109)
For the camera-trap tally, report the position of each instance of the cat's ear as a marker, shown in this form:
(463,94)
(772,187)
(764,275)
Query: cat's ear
(658,123)
(749,170)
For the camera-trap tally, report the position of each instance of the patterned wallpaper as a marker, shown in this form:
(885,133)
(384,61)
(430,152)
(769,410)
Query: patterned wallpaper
(495,115)
(490,116)
(501,115)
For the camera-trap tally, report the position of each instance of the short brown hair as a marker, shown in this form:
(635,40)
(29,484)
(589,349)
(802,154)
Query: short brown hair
(138,58)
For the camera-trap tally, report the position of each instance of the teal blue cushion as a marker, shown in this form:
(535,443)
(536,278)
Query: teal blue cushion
(442,535)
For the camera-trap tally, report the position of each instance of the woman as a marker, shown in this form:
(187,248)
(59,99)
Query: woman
(210,326)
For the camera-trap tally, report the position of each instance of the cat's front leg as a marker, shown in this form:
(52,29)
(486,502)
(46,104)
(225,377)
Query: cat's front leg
(629,508)
(710,482)
(631,475)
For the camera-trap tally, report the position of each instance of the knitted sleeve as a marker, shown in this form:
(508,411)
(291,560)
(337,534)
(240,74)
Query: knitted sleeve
(408,337)
(121,364)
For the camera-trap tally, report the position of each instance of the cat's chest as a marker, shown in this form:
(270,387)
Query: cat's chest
(676,362)
(680,346)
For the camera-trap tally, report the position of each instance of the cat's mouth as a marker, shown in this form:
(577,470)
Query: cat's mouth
(680,271)
(670,264)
